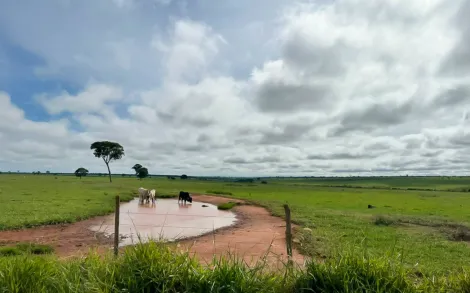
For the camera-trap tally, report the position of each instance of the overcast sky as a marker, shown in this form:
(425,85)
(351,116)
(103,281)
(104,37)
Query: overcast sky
(237,87)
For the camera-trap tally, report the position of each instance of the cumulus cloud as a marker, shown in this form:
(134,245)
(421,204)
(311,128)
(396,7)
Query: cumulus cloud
(341,87)
(92,99)
(190,48)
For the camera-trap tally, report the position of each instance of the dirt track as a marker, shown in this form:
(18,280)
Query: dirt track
(255,235)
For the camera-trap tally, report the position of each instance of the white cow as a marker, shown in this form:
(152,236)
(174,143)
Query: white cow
(152,195)
(143,194)
(146,195)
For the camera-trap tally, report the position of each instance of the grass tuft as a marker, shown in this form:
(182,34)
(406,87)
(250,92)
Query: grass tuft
(10,251)
(381,220)
(226,206)
(26,248)
(350,273)
(219,192)
(33,248)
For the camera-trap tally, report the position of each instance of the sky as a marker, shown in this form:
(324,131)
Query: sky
(237,87)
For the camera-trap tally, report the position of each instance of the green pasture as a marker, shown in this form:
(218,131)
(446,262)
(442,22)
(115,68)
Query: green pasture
(447,183)
(421,225)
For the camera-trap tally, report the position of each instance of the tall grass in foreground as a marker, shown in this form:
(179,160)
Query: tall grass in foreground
(154,267)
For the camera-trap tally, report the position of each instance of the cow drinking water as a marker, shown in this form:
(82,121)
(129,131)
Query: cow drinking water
(184,196)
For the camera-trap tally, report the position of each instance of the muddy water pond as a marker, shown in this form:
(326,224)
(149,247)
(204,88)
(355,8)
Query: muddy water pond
(167,220)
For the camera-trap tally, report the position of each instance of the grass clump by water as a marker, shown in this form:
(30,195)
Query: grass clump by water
(381,220)
(226,206)
(26,248)
(219,192)
(9,251)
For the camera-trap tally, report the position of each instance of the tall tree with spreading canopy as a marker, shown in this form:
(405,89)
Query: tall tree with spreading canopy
(136,168)
(108,151)
(81,172)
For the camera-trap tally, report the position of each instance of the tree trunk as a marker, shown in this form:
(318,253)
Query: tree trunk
(109,172)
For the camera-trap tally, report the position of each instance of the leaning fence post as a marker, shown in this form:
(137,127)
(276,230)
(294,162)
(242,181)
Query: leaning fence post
(116,226)
(288,232)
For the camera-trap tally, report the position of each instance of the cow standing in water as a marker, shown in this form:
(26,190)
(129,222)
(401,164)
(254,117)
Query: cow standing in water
(151,194)
(184,196)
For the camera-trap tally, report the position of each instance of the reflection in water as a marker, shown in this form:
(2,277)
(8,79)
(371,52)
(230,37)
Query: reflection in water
(151,205)
(184,205)
(166,219)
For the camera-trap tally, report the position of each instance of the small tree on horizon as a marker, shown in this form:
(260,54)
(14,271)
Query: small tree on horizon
(81,172)
(108,151)
(136,168)
(142,173)
(184,176)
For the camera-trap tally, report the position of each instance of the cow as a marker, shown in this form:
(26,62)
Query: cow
(184,196)
(151,194)
(143,195)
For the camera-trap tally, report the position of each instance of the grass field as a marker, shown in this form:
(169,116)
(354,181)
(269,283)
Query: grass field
(445,183)
(417,225)
(155,268)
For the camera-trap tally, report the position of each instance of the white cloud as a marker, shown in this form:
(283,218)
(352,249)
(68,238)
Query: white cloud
(92,99)
(354,86)
(190,49)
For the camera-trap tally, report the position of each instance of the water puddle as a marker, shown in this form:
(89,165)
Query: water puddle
(167,220)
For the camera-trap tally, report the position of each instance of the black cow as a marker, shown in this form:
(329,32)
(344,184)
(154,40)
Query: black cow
(184,196)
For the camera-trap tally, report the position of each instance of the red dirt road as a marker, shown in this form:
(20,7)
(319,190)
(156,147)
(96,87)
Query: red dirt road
(256,234)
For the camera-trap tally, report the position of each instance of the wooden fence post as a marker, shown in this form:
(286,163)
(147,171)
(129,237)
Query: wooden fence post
(116,226)
(288,232)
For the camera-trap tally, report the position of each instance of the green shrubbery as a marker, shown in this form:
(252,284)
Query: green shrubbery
(154,267)
(25,248)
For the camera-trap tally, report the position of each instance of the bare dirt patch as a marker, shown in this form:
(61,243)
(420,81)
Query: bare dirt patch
(257,234)
(66,239)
